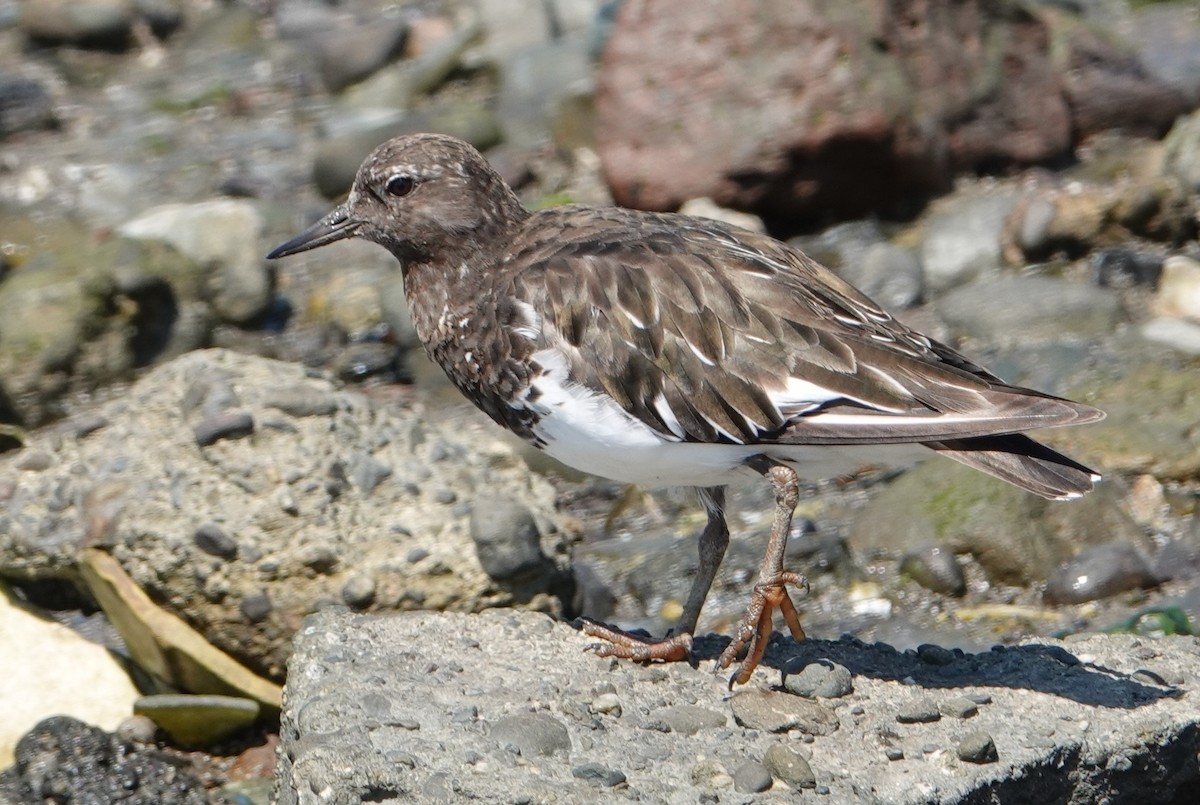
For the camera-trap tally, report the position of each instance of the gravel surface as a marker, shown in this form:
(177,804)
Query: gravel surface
(506,706)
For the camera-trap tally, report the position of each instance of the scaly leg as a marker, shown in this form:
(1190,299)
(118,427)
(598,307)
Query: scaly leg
(770,593)
(713,542)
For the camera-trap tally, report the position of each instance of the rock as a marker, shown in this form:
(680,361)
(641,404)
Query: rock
(1178,293)
(896,116)
(1167,39)
(1012,534)
(354,678)
(1183,336)
(751,777)
(1030,308)
(934,568)
(707,208)
(962,237)
(198,721)
(788,766)
(1099,572)
(314,501)
(1152,409)
(958,707)
(533,734)
(347,55)
(689,719)
(919,711)
(598,775)
(25,105)
(977,747)
(50,669)
(63,759)
(106,24)
(232,424)
(212,539)
(823,680)
(1118,267)
(771,711)
(225,235)
(891,275)
(507,541)
(535,81)
(1181,151)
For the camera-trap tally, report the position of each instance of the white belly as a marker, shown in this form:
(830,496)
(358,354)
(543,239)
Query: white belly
(593,434)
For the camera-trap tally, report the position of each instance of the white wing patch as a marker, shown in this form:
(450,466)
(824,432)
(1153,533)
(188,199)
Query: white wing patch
(532,326)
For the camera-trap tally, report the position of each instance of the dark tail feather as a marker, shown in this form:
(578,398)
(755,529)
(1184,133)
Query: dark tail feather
(1022,462)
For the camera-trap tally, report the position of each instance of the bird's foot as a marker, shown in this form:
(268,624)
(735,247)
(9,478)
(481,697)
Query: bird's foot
(635,647)
(754,630)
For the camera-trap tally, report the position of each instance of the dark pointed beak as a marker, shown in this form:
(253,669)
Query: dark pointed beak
(335,226)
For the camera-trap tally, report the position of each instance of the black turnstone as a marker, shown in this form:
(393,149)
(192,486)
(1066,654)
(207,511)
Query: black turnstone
(666,350)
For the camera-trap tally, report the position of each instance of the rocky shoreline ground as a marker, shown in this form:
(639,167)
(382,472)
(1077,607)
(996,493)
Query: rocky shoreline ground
(198,452)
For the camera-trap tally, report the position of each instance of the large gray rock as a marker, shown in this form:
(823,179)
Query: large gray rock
(313,485)
(423,706)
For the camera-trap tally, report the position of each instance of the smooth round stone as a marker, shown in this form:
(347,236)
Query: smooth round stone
(359,591)
(689,719)
(921,711)
(1099,572)
(977,747)
(823,679)
(198,720)
(935,568)
(212,539)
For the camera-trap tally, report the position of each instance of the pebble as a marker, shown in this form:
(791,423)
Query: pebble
(822,679)
(958,707)
(1099,572)
(788,766)
(212,539)
(256,606)
(507,540)
(232,424)
(137,729)
(689,719)
(302,401)
(935,568)
(977,747)
(921,711)
(533,734)
(751,777)
(359,591)
(894,753)
(772,711)
(608,704)
(934,654)
(1119,267)
(598,775)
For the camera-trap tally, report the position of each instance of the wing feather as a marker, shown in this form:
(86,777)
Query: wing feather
(708,333)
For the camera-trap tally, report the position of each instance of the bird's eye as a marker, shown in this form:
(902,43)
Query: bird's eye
(400,185)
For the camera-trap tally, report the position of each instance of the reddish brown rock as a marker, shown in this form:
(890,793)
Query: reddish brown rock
(807,108)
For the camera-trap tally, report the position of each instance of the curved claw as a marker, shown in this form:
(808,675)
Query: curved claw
(754,630)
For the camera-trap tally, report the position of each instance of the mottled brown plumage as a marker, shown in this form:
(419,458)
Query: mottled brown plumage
(670,349)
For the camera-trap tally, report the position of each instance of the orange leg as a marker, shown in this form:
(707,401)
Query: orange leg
(770,593)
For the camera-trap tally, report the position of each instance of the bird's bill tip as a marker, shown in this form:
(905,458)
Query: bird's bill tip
(337,225)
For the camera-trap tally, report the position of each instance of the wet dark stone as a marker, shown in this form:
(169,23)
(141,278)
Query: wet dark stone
(1099,572)
(64,760)
(1118,267)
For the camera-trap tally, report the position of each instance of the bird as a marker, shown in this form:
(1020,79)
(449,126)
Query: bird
(660,349)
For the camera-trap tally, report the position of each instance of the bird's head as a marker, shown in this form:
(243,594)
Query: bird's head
(424,197)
